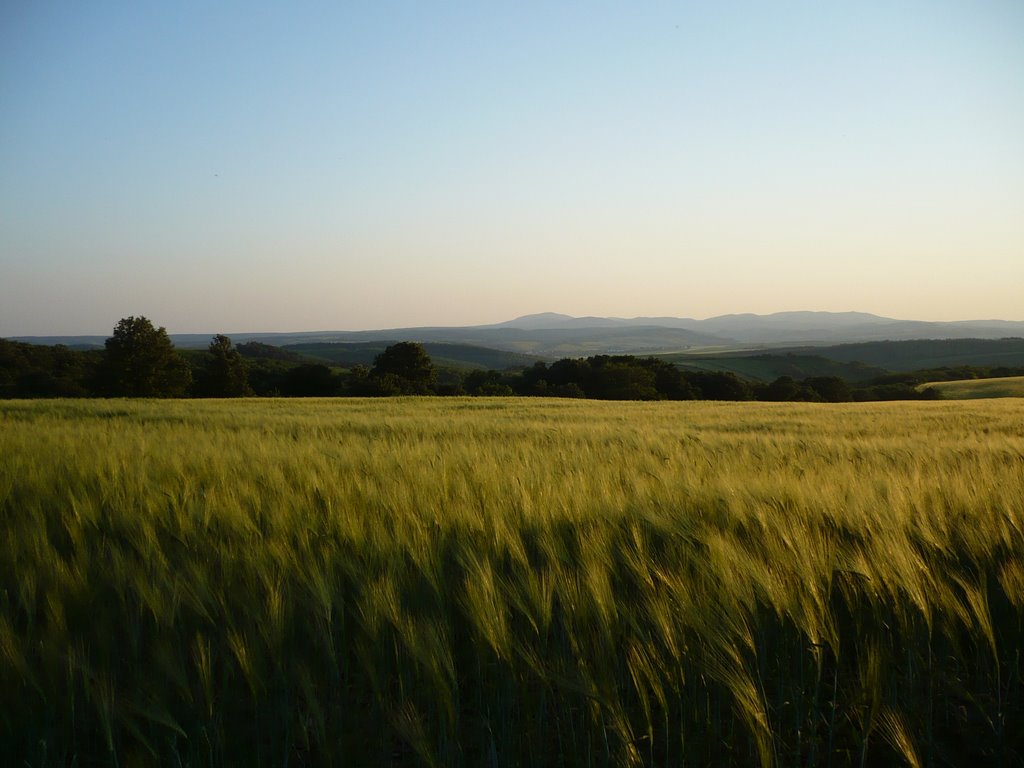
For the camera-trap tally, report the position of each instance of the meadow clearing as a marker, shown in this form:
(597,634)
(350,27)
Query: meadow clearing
(969,389)
(511,582)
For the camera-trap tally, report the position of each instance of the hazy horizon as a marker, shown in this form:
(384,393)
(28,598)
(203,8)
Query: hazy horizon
(318,167)
(286,331)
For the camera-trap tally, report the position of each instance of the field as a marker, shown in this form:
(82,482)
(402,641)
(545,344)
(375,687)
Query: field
(768,367)
(970,389)
(505,582)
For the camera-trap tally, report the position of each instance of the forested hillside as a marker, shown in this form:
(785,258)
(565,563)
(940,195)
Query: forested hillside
(139,360)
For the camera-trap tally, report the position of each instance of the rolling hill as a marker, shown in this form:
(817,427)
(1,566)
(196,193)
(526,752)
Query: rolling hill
(768,367)
(844,337)
(348,354)
(924,353)
(975,389)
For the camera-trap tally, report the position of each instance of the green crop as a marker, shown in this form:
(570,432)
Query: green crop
(505,582)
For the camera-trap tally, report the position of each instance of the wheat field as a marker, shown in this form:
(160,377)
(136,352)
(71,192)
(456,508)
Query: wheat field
(506,582)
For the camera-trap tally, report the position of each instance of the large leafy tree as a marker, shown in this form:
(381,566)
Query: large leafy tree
(224,373)
(140,361)
(406,367)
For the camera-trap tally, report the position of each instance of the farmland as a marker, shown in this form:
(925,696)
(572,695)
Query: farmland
(506,582)
(970,389)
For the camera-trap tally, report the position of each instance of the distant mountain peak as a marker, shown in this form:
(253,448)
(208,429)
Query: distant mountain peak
(558,321)
(539,317)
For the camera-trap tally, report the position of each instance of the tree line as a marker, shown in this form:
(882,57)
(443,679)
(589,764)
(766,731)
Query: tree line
(139,360)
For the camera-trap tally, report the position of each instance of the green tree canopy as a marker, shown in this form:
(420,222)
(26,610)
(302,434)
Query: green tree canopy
(140,361)
(408,366)
(310,380)
(225,373)
(32,370)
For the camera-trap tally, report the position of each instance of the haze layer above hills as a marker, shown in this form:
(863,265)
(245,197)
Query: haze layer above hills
(557,335)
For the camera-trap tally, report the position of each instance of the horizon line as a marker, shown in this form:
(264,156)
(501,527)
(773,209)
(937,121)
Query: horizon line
(527,316)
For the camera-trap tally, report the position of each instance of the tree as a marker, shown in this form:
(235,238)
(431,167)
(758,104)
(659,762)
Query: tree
(140,361)
(486,383)
(831,389)
(620,378)
(225,373)
(718,385)
(669,380)
(533,380)
(784,389)
(31,370)
(311,380)
(408,366)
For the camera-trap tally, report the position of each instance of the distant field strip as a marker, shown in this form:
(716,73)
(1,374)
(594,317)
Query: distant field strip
(970,389)
(511,582)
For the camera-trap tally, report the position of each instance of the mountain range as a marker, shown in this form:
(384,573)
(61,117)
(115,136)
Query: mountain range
(555,335)
(786,327)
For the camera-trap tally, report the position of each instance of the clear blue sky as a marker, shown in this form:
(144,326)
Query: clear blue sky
(223,167)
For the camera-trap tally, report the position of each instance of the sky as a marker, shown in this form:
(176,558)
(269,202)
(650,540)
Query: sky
(235,166)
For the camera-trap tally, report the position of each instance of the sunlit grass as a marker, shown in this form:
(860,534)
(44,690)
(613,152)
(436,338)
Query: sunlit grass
(969,389)
(510,582)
